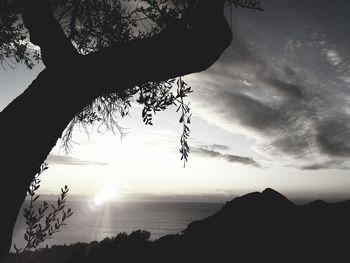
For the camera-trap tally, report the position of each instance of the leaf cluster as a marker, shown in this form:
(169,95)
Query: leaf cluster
(155,96)
(182,91)
(13,47)
(94,24)
(158,96)
(42,223)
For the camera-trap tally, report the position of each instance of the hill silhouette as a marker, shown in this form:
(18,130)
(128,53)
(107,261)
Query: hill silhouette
(257,227)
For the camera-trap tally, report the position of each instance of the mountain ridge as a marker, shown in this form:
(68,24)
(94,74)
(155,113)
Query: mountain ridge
(260,226)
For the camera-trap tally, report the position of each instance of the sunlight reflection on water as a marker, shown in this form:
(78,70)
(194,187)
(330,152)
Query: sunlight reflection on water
(92,221)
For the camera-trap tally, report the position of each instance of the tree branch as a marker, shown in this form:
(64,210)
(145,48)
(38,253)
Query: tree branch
(176,51)
(32,123)
(46,32)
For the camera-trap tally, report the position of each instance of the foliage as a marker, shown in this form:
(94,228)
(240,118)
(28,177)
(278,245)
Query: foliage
(123,239)
(123,247)
(42,224)
(13,47)
(182,91)
(95,24)
(158,96)
(251,4)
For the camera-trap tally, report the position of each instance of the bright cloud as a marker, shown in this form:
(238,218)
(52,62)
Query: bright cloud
(333,56)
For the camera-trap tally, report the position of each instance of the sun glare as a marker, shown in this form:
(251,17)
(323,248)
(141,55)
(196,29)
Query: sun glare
(106,194)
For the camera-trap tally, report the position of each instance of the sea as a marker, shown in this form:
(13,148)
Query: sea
(91,222)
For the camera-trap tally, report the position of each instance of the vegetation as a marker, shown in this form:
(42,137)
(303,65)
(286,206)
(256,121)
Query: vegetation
(192,35)
(44,222)
(122,246)
(92,25)
(257,227)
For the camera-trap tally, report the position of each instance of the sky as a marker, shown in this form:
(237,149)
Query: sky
(274,111)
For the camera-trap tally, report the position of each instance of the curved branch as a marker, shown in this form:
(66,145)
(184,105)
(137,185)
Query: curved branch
(36,119)
(176,51)
(46,32)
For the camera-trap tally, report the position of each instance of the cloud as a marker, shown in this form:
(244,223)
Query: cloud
(282,87)
(333,136)
(248,111)
(215,147)
(346,79)
(227,157)
(333,56)
(290,111)
(66,160)
(324,165)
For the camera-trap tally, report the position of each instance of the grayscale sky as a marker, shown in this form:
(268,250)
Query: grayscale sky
(274,111)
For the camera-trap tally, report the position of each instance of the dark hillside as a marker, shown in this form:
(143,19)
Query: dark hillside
(257,227)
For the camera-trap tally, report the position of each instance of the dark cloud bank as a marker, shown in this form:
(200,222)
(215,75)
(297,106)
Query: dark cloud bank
(296,107)
(227,157)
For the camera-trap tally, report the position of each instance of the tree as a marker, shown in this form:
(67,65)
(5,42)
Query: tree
(90,49)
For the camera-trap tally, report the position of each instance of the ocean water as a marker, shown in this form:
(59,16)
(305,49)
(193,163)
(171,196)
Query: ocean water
(94,222)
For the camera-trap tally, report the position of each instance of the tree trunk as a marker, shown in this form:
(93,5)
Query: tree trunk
(34,121)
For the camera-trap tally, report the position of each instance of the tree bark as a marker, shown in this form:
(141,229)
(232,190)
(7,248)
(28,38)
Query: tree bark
(34,121)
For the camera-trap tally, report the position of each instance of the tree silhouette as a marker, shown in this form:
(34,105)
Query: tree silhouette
(98,54)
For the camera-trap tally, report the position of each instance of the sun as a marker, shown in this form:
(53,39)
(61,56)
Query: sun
(108,193)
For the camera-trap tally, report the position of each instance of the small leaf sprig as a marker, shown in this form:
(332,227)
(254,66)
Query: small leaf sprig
(182,91)
(157,96)
(41,224)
